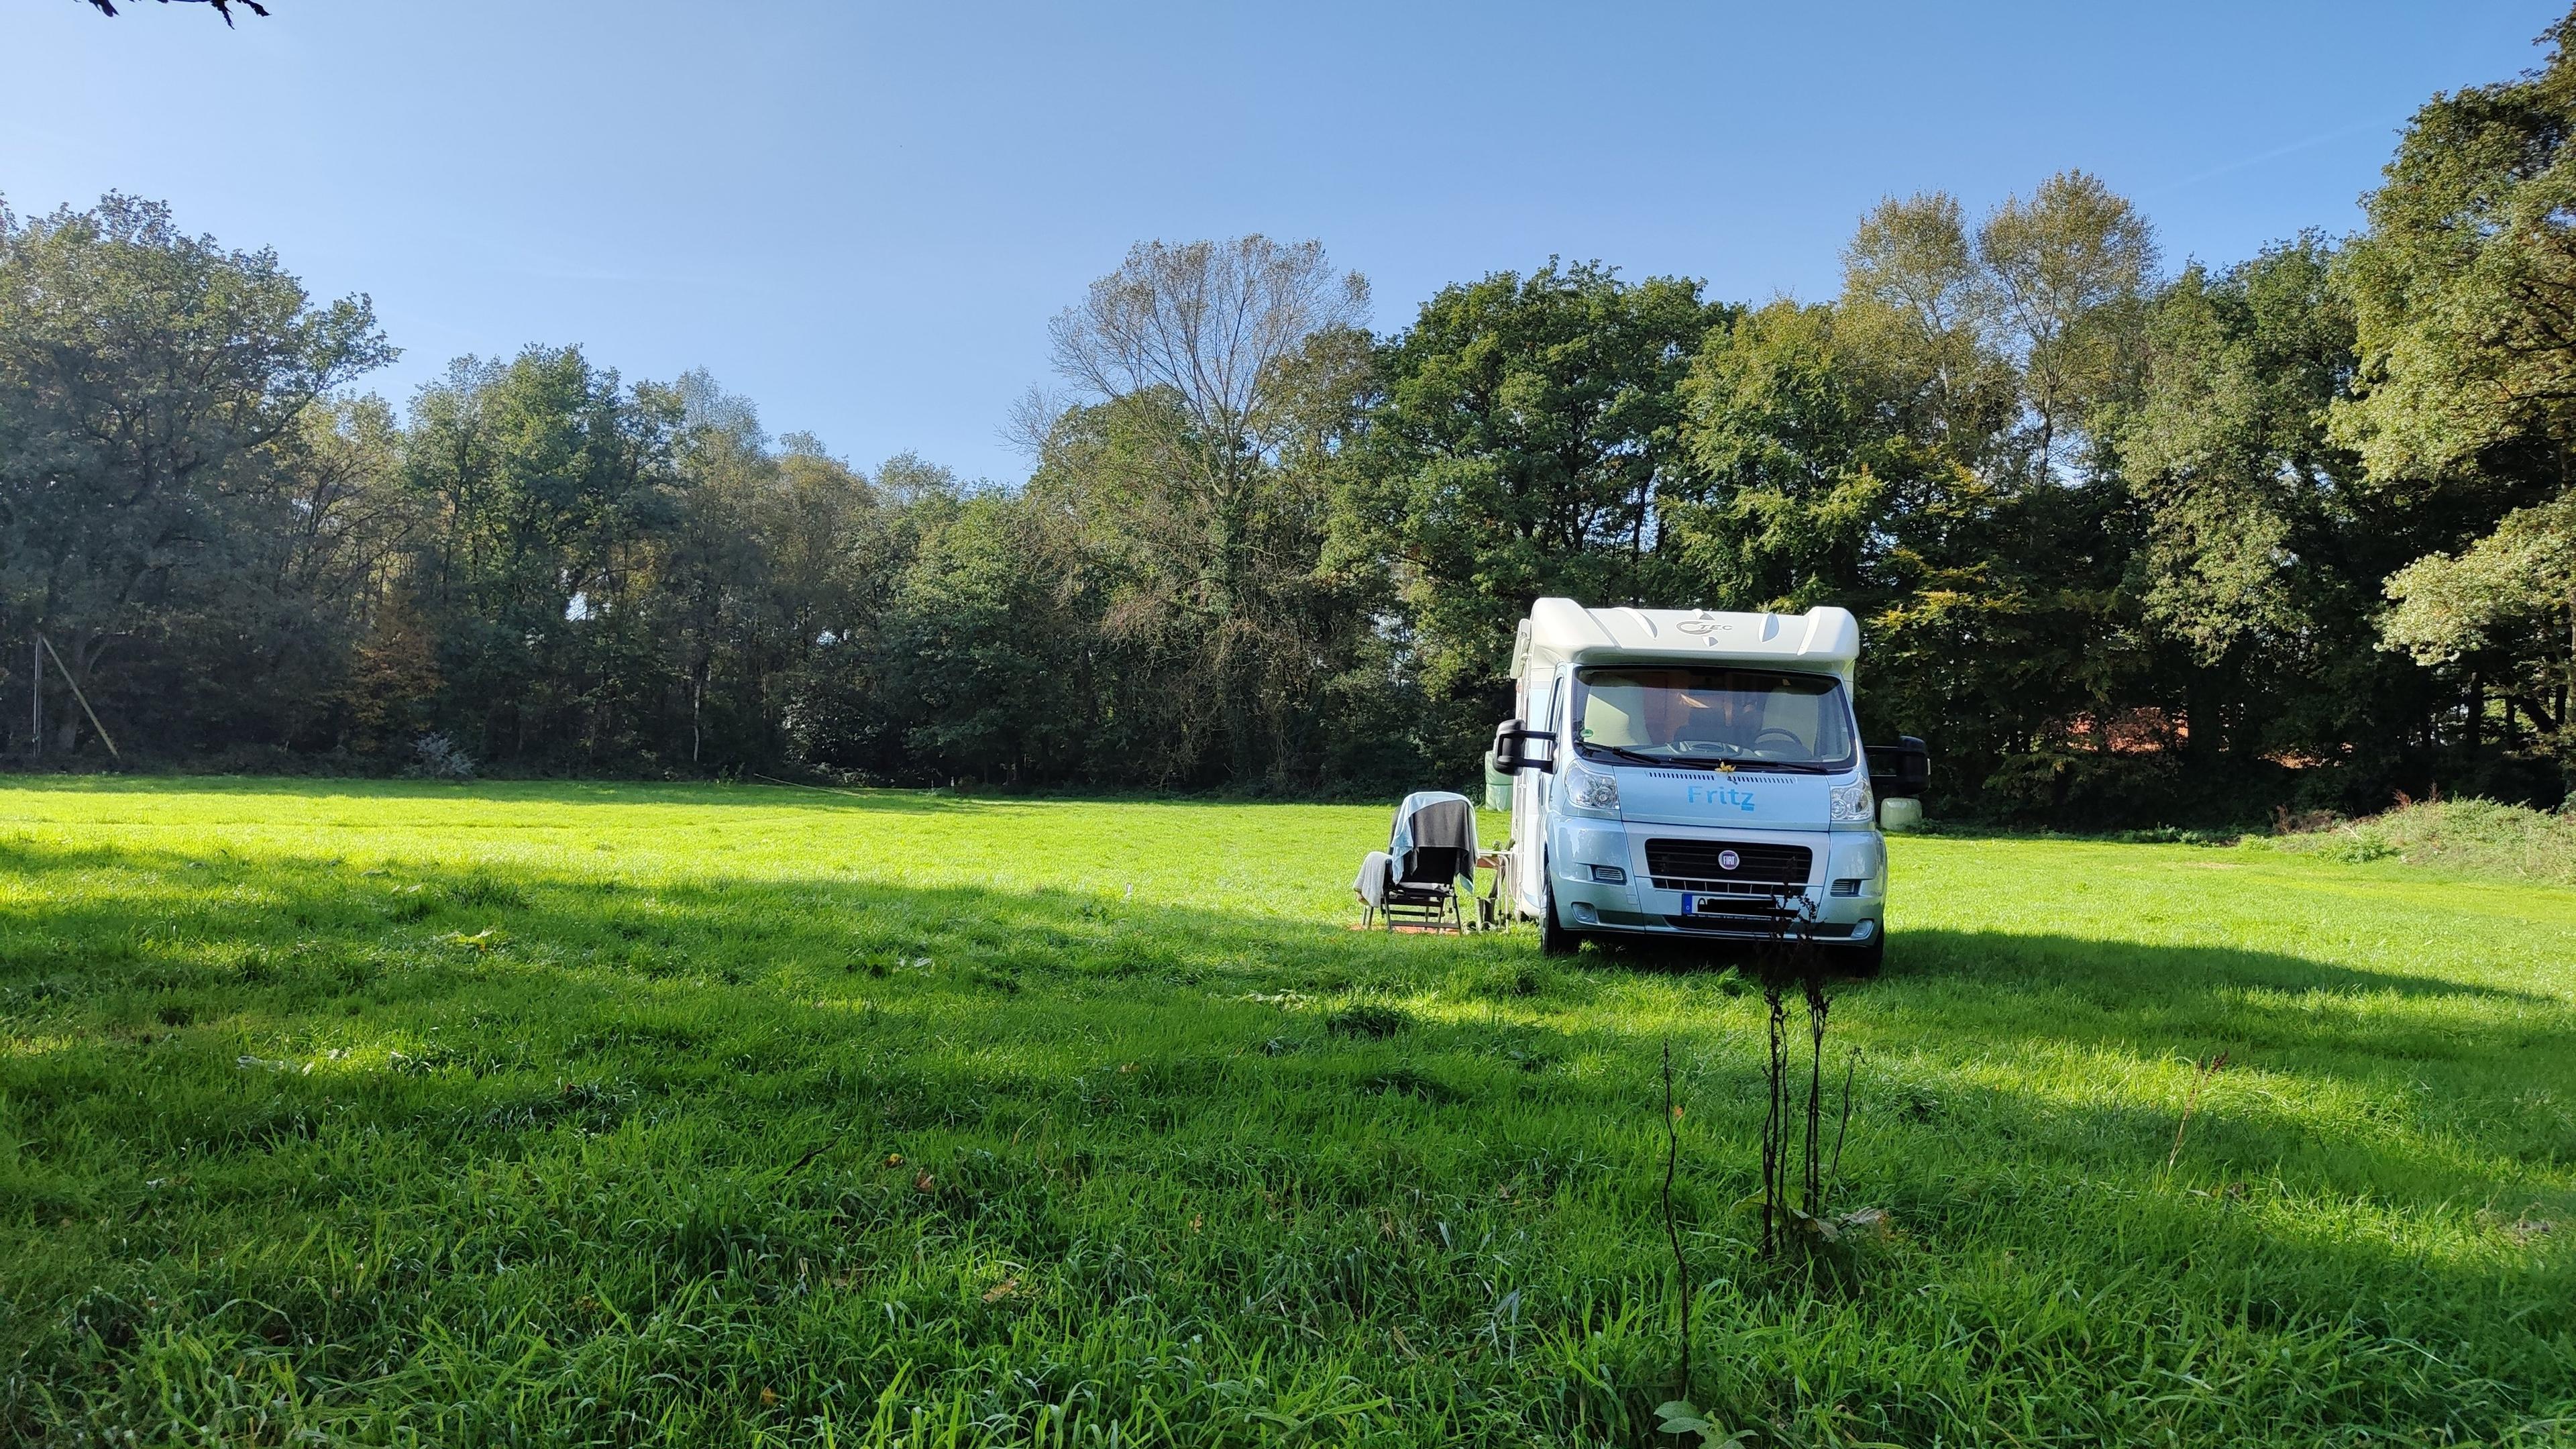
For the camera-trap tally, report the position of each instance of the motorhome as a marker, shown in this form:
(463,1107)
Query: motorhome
(1686,773)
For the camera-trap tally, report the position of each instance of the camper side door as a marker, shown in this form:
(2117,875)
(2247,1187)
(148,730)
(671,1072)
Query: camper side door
(1532,788)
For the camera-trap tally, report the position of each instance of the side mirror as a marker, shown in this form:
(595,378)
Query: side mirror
(1900,771)
(1511,748)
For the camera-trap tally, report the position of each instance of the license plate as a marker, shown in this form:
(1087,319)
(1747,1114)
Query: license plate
(1711,905)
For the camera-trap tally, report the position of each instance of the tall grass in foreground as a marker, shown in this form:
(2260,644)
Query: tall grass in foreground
(527,1114)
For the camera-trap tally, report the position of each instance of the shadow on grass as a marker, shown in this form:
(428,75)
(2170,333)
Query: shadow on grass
(198,919)
(2111,973)
(2411,1087)
(2119,970)
(281,949)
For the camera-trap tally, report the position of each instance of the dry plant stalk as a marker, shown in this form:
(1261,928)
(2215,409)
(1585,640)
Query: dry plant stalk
(1818,1004)
(1774,1119)
(1672,1228)
(1790,957)
(1834,1174)
(2205,1070)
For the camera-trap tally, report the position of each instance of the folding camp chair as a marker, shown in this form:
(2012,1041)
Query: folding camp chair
(1414,881)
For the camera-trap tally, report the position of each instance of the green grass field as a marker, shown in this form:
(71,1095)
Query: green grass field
(559,1114)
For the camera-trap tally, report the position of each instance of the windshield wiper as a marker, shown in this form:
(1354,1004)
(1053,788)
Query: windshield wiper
(1692,762)
(1641,758)
(1687,762)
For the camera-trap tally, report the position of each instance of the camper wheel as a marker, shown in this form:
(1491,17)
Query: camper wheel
(1865,962)
(1553,939)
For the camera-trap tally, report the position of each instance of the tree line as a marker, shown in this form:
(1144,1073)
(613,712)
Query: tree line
(2130,541)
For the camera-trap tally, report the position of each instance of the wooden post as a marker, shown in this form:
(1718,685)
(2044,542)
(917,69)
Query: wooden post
(36,699)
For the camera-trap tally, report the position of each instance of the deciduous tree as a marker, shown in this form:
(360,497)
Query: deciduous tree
(154,395)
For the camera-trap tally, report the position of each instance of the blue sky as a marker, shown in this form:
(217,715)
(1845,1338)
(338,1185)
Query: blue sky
(862,216)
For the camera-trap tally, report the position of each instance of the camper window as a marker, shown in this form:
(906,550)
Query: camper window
(1708,716)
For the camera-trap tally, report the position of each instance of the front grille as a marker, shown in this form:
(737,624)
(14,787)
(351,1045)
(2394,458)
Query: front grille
(1692,865)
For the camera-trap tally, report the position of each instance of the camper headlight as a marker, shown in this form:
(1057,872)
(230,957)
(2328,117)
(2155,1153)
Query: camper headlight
(1591,790)
(1851,804)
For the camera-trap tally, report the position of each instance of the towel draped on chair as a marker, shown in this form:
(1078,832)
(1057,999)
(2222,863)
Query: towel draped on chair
(1415,879)
(1375,867)
(1433,820)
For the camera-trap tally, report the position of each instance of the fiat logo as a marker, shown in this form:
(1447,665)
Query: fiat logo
(1728,860)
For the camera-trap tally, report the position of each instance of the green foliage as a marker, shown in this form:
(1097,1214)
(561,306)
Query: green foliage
(2263,542)
(2460,282)
(1798,466)
(2468,375)
(1893,452)
(2067,273)
(174,506)
(1192,494)
(552,488)
(2226,447)
(2507,601)
(1679,1416)
(1527,437)
(395,1112)
(957,646)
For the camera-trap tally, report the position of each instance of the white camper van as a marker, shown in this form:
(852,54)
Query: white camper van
(1687,773)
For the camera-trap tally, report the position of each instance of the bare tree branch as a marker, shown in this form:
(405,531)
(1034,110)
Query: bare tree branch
(223,8)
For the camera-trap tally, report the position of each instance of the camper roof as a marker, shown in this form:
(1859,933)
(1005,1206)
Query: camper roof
(1825,640)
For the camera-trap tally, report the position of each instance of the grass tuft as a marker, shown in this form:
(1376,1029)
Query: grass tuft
(2470,837)
(1373,1020)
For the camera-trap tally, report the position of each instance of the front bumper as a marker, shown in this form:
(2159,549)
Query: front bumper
(1645,903)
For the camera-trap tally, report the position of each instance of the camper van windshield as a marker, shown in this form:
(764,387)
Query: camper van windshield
(1711,716)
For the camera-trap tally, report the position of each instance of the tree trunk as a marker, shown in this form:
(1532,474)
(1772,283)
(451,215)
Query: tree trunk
(2200,723)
